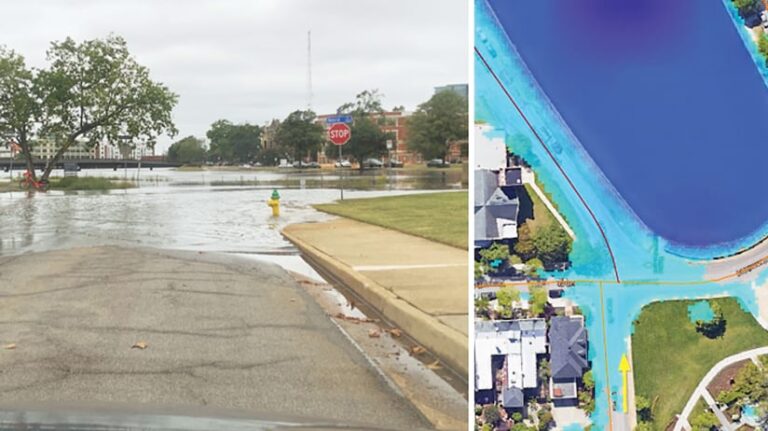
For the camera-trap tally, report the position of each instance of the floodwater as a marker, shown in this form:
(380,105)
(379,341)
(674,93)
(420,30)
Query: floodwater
(195,210)
(665,97)
(611,242)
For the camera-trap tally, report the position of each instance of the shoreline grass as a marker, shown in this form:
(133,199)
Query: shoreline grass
(74,184)
(670,357)
(440,217)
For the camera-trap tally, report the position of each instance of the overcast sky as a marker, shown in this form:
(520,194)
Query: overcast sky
(247,60)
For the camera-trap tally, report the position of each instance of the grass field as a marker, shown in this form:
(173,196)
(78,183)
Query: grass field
(541,215)
(671,358)
(440,217)
(74,183)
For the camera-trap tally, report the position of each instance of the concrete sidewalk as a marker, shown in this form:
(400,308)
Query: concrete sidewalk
(419,285)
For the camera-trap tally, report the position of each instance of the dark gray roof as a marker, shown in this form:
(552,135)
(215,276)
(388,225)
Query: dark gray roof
(491,203)
(514,177)
(568,347)
(512,398)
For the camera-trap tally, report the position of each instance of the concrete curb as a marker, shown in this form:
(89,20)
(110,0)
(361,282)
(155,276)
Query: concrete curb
(445,342)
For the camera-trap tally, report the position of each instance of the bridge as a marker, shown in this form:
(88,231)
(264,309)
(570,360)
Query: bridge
(18,165)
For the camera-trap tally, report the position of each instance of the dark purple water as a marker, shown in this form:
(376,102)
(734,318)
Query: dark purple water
(665,98)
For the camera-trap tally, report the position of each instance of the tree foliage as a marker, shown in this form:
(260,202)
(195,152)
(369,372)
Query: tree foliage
(704,421)
(92,91)
(506,296)
(187,150)
(299,135)
(19,109)
(715,327)
(238,143)
(552,244)
(437,123)
(368,139)
(537,300)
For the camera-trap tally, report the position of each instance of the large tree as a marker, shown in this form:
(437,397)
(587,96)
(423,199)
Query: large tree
(19,109)
(95,91)
(234,142)
(187,150)
(299,134)
(368,139)
(437,123)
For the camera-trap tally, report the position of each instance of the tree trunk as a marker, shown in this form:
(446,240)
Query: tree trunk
(27,153)
(52,161)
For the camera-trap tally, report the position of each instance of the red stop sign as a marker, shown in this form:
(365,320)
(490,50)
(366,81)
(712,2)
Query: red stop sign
(339,133)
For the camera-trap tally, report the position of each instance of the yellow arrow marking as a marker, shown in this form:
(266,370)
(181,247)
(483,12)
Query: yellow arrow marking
(624,369)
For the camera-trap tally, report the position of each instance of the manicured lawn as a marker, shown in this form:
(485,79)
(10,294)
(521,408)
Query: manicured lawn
(541,215)
(671,358)
(440,217)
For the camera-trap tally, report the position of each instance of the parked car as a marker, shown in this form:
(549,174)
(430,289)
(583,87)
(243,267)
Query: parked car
(438,163)
(395,164)
(306,165)
(372,163)
(343,164)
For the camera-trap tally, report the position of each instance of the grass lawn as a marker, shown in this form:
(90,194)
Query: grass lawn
(440,217)
(74,183)
(671,358)
(541,215)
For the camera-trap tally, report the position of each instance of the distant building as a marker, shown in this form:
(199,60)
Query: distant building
(506,360)
(268,132)
(568,357)
(460,89)
(395,122)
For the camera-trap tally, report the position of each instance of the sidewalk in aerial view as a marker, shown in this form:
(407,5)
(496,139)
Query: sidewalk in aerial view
(417,284)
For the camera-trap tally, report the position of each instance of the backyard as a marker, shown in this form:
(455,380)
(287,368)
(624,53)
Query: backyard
(440,217)
(671,357)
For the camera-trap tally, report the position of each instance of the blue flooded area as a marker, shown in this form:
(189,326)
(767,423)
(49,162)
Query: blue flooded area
(700,311)
(650,267)
(665,98)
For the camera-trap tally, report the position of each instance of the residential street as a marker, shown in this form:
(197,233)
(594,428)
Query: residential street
(219,332)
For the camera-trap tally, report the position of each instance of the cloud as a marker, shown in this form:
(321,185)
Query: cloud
(247,60)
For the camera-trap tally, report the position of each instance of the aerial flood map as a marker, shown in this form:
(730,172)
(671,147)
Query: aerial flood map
(620,225)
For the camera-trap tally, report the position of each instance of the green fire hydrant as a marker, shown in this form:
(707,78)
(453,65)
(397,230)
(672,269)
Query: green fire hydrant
(274,203)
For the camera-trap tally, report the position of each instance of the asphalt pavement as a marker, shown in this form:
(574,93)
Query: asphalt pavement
(217,331)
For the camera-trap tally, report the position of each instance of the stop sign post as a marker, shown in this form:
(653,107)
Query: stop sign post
(339,134)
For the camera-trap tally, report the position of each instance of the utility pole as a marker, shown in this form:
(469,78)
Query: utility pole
(309,70)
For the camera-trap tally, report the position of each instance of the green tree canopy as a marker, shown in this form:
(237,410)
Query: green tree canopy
(436,123)
(19,109)
(368,139)
(234,142)
(299,135)
(537,300)
(95,90)
(187,150)
(506,296)
(552,244)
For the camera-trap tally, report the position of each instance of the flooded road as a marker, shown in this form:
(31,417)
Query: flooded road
(173,210)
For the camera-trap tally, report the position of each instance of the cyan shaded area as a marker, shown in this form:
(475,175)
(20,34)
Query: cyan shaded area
(700,311)
(665,98)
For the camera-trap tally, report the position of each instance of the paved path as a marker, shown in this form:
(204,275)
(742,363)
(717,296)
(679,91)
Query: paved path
(222,332)
(701,389)
(419,285)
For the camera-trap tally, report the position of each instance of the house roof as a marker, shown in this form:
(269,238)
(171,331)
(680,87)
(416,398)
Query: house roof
(519,341)
(512,398)
(568,347)
(495,208)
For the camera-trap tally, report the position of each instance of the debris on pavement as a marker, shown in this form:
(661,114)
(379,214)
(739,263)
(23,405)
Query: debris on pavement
(417,350)
(140,345)
(10,346)
(374,333)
